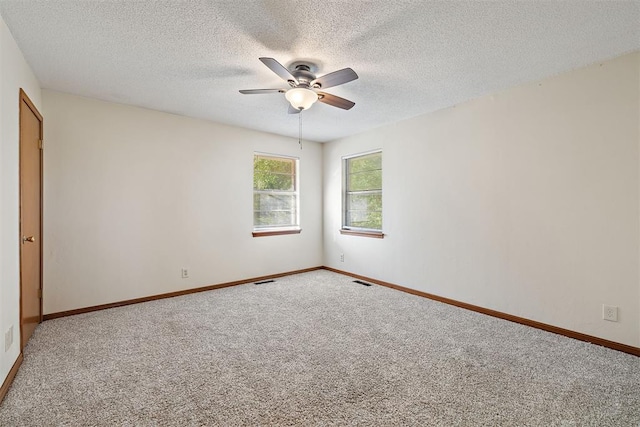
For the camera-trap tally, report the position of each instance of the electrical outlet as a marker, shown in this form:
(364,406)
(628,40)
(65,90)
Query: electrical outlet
(341,257)
(610,313)
(8,339)
(185,273)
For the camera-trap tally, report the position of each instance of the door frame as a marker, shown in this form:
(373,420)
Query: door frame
(24,101)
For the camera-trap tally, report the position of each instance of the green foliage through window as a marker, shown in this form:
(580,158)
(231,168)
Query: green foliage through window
(363,192)
(275,192)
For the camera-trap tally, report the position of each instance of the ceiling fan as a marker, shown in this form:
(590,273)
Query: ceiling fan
(305,86)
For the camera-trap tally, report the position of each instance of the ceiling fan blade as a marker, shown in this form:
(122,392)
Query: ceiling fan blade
(279,69)
(257,91)
(336,78)
(293,110)
(335,101)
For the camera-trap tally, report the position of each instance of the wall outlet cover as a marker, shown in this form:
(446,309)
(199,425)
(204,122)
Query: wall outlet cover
(610,313)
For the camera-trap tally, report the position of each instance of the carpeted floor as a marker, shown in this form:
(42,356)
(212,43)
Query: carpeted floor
(314,349)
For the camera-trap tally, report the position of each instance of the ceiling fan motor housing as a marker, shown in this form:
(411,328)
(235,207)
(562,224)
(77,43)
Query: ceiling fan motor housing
(303,73)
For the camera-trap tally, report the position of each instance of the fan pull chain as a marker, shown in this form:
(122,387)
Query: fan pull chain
(300,129)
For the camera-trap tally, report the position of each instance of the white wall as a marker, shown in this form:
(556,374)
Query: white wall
(14,74)
(525,202)
(133,195)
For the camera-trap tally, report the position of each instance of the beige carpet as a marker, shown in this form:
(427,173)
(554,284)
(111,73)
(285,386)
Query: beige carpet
(314,349)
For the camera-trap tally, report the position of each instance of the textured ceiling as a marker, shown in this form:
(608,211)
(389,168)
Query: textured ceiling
(192,57)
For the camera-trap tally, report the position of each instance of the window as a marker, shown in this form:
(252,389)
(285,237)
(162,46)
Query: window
(275,195)
(362,205)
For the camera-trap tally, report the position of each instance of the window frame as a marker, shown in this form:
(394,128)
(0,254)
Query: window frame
(262,231)
(349,229)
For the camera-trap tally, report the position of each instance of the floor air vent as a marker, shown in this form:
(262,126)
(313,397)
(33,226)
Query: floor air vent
(263,282)
(362,283)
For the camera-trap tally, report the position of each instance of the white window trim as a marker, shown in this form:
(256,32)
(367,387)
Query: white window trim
(286,229)
(347,229)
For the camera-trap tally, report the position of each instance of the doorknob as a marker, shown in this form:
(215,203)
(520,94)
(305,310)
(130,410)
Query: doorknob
(28,239)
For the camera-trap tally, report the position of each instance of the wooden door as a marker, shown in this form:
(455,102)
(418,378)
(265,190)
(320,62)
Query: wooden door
(30,218)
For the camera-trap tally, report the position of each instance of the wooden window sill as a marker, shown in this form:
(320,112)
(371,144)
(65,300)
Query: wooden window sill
(373,234)
(275,232)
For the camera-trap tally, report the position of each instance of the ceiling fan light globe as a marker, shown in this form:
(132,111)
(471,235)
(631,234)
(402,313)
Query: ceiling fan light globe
(301,98)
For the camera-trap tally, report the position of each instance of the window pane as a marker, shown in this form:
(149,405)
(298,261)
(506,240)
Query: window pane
(270,173)
(271,181)
(369,180)
(365,163)
(364,202)
(273,218)
(274,164)
(364,210)
(280,165)
(364,219)
(273,202)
